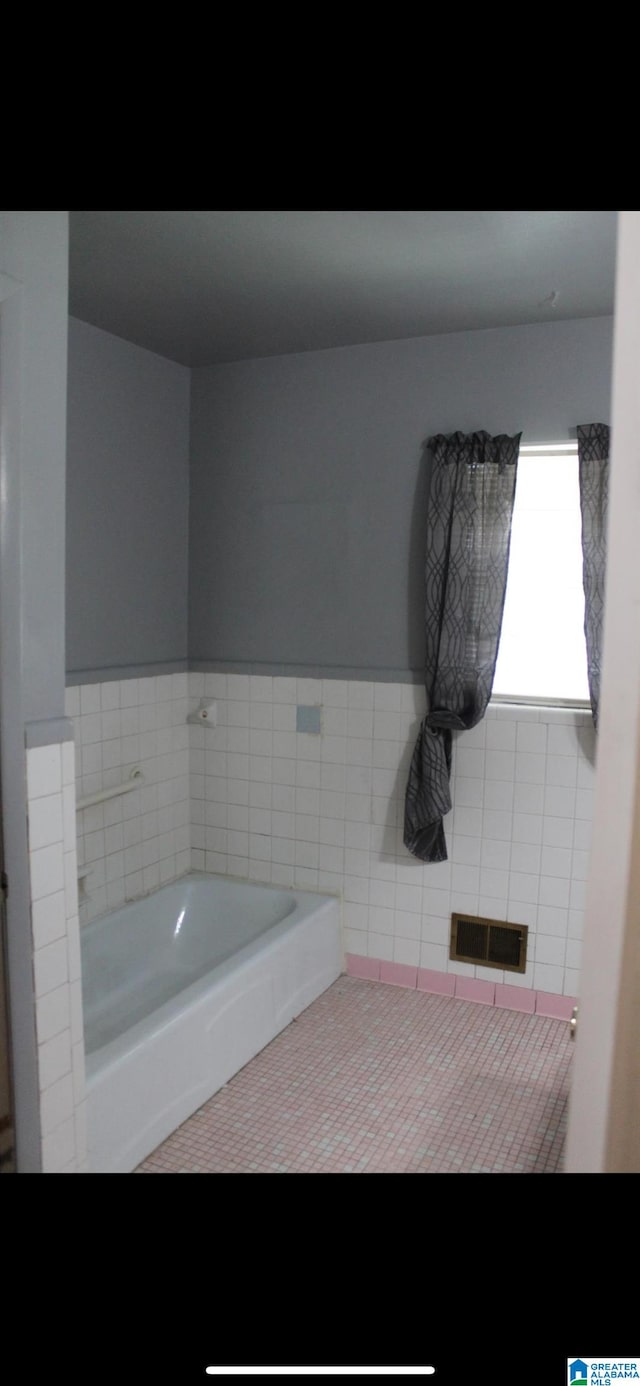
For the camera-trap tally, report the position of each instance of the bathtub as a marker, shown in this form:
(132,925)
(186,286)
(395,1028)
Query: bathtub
(181,989)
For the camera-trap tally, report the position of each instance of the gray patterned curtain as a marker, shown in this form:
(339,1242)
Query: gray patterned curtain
(470,503)
(593,462)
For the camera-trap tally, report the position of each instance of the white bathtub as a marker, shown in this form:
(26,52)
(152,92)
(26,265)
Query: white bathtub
(181,989)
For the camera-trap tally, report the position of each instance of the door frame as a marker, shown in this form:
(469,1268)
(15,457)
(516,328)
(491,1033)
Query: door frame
(604,1108)
(19,952)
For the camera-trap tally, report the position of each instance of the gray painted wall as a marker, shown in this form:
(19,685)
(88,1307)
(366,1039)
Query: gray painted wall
(307,483)
(127,504)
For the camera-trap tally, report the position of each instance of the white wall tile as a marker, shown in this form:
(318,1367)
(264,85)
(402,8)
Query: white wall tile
(141,721)
(46,867)
(500,765)
(381,946)
(531,738)
(554,891)
(49,919)
(491,908)
(56,1104)
(528,798)
(548,978)
(50,966)
(360,752)
(465,850)
(530,768)
(552,920)
(45,821)
(406,951)
(562,770)
(580,865)
(582,831)
(495,854)
(432,929)
(58,1147)
(558,832)
(550,950)
(562,741)
(577,895)
(90,698)
(523,886)
(477,738)
(494,883)
(498,794)
(470,763)
(407,925)
(53,1012)
(434,956)
(468,821)
(576,923)
(360,694)
(498,824)
(525,857)
(382,893)
(44,771)
(54,1059)
(559,802)
(465,879)
(555,861)
(500,735)
(439,875)
(468,792)
(584,803)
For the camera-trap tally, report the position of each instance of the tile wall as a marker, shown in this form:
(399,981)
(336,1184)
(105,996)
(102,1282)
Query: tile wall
(56,956)
(325,812)
(134,843)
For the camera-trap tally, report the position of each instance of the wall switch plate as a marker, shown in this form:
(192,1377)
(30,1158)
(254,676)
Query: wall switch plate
(308,719)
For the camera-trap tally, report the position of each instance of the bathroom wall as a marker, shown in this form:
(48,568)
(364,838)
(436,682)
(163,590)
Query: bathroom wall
(325,812)
(306,588)
(306,552)
(127,500)
(135,842)
(307,485)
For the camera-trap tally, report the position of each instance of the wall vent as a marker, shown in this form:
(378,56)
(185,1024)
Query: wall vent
(488,941)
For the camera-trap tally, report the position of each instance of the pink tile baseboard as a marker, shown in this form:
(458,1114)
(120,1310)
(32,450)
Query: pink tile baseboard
(525,999)
(440,983)
(558,1007)
(515,998)
(368,968)
(399,974)
(472,989)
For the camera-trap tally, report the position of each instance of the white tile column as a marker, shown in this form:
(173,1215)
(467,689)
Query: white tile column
(56,956)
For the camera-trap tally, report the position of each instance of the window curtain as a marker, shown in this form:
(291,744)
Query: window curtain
(593,465)
(471,489)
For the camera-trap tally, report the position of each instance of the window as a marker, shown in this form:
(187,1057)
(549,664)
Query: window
(542,654)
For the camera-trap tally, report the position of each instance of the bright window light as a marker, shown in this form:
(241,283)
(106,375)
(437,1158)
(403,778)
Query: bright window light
(542,652)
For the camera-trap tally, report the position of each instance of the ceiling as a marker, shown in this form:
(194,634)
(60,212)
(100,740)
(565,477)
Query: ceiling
(208,287)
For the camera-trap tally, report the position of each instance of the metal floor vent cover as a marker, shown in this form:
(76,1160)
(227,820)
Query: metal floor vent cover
(491,942)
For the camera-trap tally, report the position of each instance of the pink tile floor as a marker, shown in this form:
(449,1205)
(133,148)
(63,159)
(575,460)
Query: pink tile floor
(374,1078)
